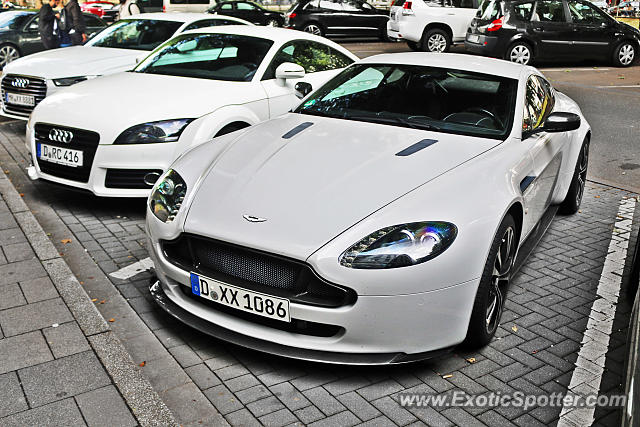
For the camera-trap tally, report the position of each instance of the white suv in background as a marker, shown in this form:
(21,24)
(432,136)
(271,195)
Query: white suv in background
(431,26)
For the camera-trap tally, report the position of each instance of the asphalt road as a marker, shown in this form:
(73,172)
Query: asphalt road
(609,98)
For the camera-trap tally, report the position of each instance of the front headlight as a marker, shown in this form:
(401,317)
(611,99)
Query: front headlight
(68,81)
(167,196)
(400,245)
(153,132)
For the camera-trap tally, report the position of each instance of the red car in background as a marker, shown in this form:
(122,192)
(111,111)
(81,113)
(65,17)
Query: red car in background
(106,10)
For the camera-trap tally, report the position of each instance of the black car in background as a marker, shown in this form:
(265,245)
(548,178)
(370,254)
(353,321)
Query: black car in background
(249,11)
(631,412)
(530,30)
(338,18)
(19,34)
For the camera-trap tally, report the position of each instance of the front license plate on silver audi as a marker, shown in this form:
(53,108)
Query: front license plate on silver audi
(241,299)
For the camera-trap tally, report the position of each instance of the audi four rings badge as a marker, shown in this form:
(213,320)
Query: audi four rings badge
(20,82)
(60,135)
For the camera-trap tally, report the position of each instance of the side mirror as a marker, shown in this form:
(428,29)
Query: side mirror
(561,122)
(288,70)
(303,89)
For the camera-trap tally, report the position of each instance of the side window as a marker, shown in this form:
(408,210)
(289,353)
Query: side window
(92,21)
(330,5)
(351,6)
(226,6)
(312,5)
(538,104)
(33,25)
(549,11)
(465,4)
(582,13)
(523,10)
(312,56)
(245,6)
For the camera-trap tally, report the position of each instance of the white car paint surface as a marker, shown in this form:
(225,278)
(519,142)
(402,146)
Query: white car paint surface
(89,60)
(263,197)
(134,98)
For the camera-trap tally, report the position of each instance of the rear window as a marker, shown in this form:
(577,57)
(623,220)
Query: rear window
(398,3)
(523,10)
(490,10)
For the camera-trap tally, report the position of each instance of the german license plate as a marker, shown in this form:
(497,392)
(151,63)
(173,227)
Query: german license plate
(18,99)
(473,38)
(240,299)
(62,156)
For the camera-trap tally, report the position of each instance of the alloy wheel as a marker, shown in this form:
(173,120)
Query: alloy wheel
(8,54)
(520,54)
(583,163)
(272,23)
(437,43)
(626,54)
(500,278)
(313,29)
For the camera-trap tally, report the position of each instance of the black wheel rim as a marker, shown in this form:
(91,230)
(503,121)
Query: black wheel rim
(583,163)
(500,277)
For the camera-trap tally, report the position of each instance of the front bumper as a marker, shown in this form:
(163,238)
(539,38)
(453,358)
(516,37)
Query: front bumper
(373,330)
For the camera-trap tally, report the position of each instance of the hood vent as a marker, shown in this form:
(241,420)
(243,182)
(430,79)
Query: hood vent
(416,147)
(296,130)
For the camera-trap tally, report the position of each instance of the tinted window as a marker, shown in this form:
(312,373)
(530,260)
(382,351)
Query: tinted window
(523,11)
(92,21)
(330,5)
(490,10)
(467,4)
(140,34)
(208,56)
(245,6)
(549,11)
(585,14)
(210,23)
(438,99)
(13,20)
(312,56)
(539,102)
(226,6)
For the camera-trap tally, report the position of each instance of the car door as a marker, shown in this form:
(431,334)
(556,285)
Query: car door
(546,148)
(551,29)
(320,62)
(249,12)
(226,9)
(332,17)
(30,37)
(593,31)
(361,18)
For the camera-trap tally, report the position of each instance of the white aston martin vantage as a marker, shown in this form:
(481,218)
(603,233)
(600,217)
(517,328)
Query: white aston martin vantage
(379,222)
(27,81)
(200,84)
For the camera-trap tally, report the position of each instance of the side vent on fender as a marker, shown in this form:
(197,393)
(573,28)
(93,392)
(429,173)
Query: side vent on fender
(526,182)
(296,130)
(416,147)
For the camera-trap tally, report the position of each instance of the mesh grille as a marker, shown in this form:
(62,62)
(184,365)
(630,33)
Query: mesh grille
(246,265)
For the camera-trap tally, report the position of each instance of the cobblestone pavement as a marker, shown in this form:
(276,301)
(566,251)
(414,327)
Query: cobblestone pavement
(534,351)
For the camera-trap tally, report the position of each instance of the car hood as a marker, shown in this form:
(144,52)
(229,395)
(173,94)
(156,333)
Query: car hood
(75,61)
(98,104)
(313,186)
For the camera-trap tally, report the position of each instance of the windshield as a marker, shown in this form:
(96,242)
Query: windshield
(208,56)
(138,34)
(429,98)
(12,20)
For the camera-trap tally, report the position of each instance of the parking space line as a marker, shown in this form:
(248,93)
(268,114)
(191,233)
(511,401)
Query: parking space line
(133,269)
(563,70)
(615,86)
(594,346)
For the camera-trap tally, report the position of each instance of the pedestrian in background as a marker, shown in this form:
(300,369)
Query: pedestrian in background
(128,8)
(72,21)
(48,25)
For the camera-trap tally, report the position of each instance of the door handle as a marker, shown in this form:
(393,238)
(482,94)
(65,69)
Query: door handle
(538,28)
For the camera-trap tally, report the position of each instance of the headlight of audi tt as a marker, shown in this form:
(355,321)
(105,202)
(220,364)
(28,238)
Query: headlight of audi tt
(68,81)
(400,245)
(153,132)
(167,196)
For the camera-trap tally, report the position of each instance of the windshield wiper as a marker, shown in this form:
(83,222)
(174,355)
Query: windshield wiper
(394,121)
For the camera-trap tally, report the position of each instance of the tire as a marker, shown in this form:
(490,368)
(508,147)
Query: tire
(313,28)
(520,53)
(624,54)
(435,40)
(489,301)
(571,203)
(8,53)
(413,45)
(272,23)
(384,37)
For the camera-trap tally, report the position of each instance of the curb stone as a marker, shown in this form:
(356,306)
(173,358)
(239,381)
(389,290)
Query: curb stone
(144,402)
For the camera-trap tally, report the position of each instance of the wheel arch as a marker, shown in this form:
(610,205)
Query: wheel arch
(520,38)
(440,26)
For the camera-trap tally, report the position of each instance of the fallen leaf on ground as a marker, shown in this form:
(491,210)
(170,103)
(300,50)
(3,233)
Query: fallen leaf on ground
(81,282)
(112,320)
(103,301)
(514,328)
(471,360)
(447,376)
(94,299)
(141,364)
(21,194)
(65,241)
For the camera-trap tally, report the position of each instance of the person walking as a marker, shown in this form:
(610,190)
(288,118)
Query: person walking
(48,25)
(128,8)
(72,21)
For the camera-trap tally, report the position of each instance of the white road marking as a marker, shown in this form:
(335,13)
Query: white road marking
(614,86)
(133,269)
(563,70)
(587,374)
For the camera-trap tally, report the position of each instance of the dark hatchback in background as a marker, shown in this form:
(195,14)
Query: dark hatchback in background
(345,18)
(551,30)
(249,11)
(19,34)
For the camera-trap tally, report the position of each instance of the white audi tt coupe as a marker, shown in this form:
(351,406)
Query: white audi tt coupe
(27,81)
(115,135)
(378,222)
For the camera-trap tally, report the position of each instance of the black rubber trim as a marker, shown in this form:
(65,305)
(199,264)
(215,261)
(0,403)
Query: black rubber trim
(296,130)
(282,350)
(416,147)
(526,182)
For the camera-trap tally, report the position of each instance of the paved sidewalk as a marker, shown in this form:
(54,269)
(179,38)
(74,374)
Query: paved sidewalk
(59,363)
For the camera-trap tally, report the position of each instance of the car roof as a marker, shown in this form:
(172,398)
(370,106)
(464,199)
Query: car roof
(465,62)
(271,33)
(173,16)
